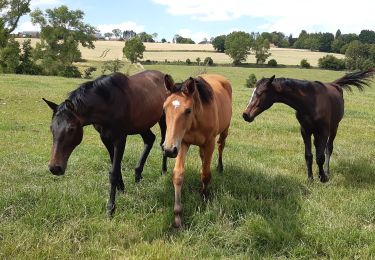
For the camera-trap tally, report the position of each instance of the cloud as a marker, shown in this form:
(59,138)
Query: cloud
(195,36)
(288,16)
(103,28)
(27,26)
(38,3)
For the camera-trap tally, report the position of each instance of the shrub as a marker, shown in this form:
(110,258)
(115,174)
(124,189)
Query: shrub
(70,72)
(251,81)
(305,64)
(87,72)
(208,61)
(272,63)
(188,61)
(331,62)
(112,66)
(198,61)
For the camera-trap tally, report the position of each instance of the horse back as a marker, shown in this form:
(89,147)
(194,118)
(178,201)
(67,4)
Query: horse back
(222,103)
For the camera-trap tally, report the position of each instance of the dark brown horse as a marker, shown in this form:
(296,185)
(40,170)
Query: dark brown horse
(319,109)
(116,106)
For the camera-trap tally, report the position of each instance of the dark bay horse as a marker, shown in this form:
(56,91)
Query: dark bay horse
(196,111)
(319,109)
(116,106)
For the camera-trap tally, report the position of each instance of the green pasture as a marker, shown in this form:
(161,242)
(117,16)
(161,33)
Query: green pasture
(261,206)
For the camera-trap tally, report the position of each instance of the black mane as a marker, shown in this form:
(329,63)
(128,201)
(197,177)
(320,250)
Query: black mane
(294,84)
(204,89)
(102,86)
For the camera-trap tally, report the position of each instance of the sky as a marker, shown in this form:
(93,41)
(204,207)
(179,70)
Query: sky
(198,19)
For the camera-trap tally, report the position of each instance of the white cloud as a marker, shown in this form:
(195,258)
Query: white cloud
(288,16)
(27,26)
(195,36)
(103,28)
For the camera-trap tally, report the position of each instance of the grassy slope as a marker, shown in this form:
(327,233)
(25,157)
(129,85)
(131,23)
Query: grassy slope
(261,205)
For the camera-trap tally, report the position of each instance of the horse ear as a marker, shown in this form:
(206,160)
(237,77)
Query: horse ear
(69,104)
(189,86)
(271,79)
(52,105)
(168,82)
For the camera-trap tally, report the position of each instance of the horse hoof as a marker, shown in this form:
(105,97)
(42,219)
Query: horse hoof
(177,224)
(163,172)
(111,210)
(323,178)
(121,187)
(220,168)
(138,178)
(310,179)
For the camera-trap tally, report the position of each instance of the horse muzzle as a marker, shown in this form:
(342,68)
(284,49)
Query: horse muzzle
(171,153)
(56,170)
(247,118)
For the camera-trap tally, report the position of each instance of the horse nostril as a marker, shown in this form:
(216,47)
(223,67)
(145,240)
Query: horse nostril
(175,151)
(56,170)
(245,116)
(172,153)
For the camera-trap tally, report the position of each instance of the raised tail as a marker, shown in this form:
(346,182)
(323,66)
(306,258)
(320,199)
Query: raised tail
(358,79)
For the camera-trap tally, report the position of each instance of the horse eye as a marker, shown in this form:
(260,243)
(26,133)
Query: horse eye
(187,111)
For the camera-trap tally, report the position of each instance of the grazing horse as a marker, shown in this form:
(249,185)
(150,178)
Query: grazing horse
(319,110)
(116,106)
(196,111)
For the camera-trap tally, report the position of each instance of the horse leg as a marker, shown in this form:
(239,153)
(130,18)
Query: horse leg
(329,150)
(148,140)
(221,145)
(115,174)
(178,178)
(207,151)
(306,135)
(163,129)
(320,142)
(109,145)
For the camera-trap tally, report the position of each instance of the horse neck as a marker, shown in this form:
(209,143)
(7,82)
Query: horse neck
(293,98)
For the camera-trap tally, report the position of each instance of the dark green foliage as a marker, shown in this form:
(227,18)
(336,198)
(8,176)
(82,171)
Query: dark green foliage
(251,81)
(277,38)
(145,37)
(133,49)
(10,56)
(367,36)
(260,48)
(198,60)
(112,66)
(238,45)
(208,61)
(188,61)
(314,41)
(219,43)
(27,64)
(163,40)
(360,56)
(87,72)
(70,72)
(11,11)
(331,62)
(180,39)
(62,30)
(305,64)
(272,63)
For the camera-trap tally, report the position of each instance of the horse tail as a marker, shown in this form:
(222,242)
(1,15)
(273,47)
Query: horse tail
(359,79)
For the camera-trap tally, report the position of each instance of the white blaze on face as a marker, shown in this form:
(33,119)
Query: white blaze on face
(252,96)
(176,103)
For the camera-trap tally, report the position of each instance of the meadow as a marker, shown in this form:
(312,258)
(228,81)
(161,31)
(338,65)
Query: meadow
(261,206)
(109,50)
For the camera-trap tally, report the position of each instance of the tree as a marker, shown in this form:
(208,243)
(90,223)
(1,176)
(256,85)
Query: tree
(11,11)
(117,33)
(108,35)
(367,36)
(27,64)
(330,62)
(183,40)
(62,30)
(9,56)
(145,37)
(219,43)
(237,46)
(154,36)
(134,49)
(127,35)
(360,56)
(163,40)
(260,48)
(338,34)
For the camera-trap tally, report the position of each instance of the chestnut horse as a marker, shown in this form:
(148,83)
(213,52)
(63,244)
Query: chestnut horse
(196,111)
(116,106)
(319,110)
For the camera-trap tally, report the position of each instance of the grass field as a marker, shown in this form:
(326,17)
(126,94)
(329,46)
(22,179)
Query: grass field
(109,50)
(260,207)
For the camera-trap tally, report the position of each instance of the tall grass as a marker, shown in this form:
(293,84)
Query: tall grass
(260,207)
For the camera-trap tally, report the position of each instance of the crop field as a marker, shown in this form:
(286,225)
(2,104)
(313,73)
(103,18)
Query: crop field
(261,206)
(109,50)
